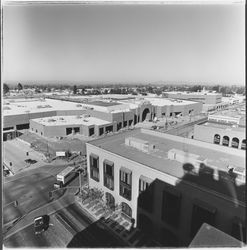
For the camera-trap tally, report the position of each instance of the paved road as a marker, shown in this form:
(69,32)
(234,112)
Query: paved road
(58,234)
(31,190)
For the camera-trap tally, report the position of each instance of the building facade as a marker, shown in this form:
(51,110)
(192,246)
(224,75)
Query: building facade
(169,185)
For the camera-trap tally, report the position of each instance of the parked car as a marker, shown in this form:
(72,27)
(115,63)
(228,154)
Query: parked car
(41,224)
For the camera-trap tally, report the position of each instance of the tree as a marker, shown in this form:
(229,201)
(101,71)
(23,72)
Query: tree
(5,88)
(19,87)
(74,90)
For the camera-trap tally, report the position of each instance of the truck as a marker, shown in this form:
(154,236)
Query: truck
(65,176)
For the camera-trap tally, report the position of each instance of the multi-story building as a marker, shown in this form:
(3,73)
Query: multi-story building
(169,185)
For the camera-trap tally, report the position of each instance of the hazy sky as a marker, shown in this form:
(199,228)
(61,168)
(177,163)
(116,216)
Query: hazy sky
(199,43)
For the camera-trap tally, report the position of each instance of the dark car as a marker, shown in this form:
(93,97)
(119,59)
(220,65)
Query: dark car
(30,161)
(41,224)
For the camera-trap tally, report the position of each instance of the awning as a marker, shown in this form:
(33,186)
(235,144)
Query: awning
(126,170)
(110,163)
(94,156)
(146,179)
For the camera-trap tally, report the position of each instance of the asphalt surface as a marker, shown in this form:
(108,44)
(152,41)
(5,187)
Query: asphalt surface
(15,151)
(68,220)
(31,190)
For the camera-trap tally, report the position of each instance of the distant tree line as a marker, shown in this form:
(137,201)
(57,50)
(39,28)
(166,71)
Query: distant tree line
(121,88)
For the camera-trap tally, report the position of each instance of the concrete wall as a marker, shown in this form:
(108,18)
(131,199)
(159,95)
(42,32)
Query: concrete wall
(13,120)
(206,134)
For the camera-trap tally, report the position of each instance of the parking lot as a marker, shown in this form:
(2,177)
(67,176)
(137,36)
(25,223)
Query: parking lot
(18,156)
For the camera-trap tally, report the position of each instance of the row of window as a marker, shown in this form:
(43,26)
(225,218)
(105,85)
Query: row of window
(226,141)
(201,213)
(125,177)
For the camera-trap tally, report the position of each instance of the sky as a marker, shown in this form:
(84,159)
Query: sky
(124,43)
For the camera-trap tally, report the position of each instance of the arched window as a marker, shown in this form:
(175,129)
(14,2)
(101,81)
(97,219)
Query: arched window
(145,113)
(110,200)
(243,145)
(225,141)
(235,142)
(126,209)
(217,139)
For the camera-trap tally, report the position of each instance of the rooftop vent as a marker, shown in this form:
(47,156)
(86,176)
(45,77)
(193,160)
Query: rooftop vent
(51,120)
(185,157)
(139,144)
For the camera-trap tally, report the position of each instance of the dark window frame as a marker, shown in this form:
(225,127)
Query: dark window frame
(108,177)
(171,207)
(94,169)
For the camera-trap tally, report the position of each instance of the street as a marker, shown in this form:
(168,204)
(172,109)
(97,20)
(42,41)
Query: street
(31,191)
(57,234)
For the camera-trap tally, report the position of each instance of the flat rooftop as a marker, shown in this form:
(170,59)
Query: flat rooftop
(234,112)
(103,103)
(24,106)
(191,93)
(157,101)
(216,156)
(70,120)
(223,126)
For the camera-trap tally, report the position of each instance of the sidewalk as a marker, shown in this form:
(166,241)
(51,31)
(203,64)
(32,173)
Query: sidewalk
(116,223)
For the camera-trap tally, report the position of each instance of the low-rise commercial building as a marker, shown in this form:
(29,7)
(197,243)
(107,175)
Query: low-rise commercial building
(170,185)
(62,126)
(221,134)
(121,114)
(203,97)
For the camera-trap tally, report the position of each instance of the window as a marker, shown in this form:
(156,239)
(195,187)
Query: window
(101,131)
(110,200)
(143,185)
(125,124)
(77,129)
(202,213)
(9,128)
(225,141)
(130,122)
(36,131)
(94,167)
(119,125)
(41,133)
(235,142)
(109,174)
(171,207)
(243,145)
(217,139)
(126,209)
(109,128)
(145,199)
(91,131)
(68,131)
(125,183)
